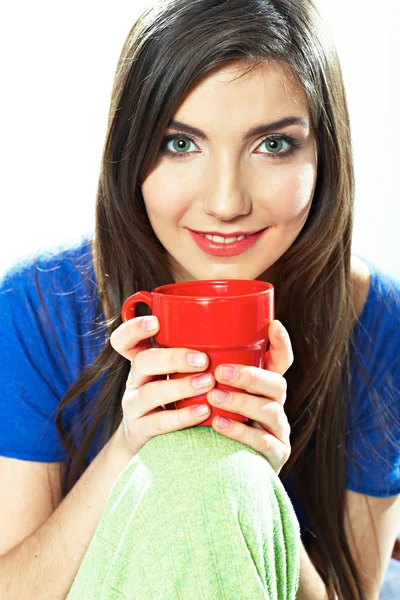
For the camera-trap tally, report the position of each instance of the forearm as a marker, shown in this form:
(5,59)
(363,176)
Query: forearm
(311,586)
(45,564)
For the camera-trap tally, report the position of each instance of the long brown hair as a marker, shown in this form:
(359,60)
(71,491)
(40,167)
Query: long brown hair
(170,48)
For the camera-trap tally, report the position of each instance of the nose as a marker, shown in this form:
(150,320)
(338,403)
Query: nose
(226,199)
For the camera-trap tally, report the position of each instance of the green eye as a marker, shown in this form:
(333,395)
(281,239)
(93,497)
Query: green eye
(274,146)
(180,145)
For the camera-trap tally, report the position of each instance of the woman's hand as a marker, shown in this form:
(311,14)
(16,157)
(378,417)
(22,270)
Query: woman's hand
(147,389)
(262,401)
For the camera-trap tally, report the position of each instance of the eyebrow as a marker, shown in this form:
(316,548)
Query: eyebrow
(266,128)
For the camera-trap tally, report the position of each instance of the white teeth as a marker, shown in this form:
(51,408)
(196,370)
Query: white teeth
(222,240)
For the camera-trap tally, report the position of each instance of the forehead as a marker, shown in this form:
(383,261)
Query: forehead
(270,89)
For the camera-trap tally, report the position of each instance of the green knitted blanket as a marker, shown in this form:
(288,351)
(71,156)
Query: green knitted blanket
(193,516)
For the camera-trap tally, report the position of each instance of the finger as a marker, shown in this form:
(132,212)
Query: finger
(135,379)
(140,400)
(253,380)
(127,336)
(268,413)
(170,360)
(280,354)
(165,421)
(155,363)
(276,452)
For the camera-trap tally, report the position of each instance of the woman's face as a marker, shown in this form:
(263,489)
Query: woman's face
(226,180)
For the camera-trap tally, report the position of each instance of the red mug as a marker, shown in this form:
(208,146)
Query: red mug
(226,319)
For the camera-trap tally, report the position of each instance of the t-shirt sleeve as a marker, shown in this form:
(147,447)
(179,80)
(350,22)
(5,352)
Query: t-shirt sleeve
(373,436)
(33,375)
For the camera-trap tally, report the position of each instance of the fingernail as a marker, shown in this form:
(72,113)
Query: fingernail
(201,380)
(280,332)
(196,359)
(228,372)
(149,323)
(200,409)
(223,423)
(220,396)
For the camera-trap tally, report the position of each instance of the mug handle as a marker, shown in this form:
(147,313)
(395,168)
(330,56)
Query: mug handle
(129,307)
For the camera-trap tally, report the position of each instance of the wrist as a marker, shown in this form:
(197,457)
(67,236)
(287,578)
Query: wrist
(119,448)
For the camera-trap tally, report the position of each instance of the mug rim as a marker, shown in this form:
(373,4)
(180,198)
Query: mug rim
(265,287)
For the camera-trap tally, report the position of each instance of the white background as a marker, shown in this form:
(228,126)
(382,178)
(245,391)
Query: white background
(57,65)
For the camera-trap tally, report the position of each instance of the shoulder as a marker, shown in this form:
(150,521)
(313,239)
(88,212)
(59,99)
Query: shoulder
(48,268)
(374,341)
(376,297)
(55,286)
(377,289)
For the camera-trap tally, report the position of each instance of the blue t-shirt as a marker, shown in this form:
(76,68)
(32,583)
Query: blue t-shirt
(46,346)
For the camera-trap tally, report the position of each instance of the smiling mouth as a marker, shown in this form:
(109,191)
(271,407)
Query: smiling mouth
(226,246)
(227,238)
(224,240)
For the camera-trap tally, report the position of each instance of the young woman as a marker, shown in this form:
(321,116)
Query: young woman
(227,118)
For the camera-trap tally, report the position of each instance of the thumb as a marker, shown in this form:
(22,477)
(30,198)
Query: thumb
(280,354)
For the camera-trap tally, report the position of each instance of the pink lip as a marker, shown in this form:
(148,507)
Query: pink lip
(231,249)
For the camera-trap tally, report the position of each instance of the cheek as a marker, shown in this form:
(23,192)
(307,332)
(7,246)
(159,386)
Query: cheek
(291,194)
(165,197)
